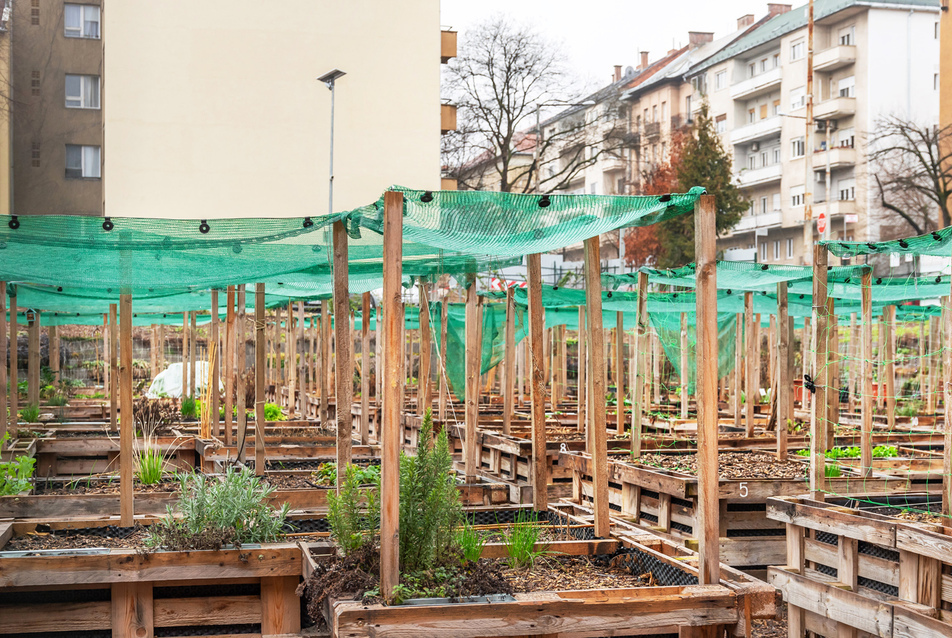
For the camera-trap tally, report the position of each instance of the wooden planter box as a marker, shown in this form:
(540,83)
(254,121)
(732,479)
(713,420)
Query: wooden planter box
(849,570)
(666,502)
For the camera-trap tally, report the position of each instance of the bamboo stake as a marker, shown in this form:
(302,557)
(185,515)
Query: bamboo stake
(127,425)
(596,398)
(344,354)
(540,474)
(818,422)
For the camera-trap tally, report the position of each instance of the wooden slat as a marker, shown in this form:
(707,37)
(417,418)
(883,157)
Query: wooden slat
(344,370)
(509,361)
(211,610)
(260,370)
(540,475)
(132,615)
(19,619)
(596,375)
(639,365)
(818,419)
(280,606)
(127,427)
(471,362)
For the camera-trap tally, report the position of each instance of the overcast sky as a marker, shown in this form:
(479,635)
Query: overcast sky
(597,34)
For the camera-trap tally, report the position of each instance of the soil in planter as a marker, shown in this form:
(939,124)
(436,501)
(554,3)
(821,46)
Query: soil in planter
(921,517)
(771,627)
(101,486)
(732,465)
(67,539)
(562,573)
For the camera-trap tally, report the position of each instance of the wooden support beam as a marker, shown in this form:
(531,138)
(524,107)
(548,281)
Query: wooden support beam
(620,373)
(596,374)
(582,366)
(706,392)
(540,474)
(947,406)
(192,347)
(818,416)
(229,364)
(784,383)
(343,349)
(127,424)
(365,369)
(4,342)
(425,398)
(325,361)
(470,448)
(685,372)
(14,377)
(889,319)
(241,361)
(639,364)
(393,371)
(444,385)
(866,373)
(33,358)
(132,610)
(214,361)
(509,362)
(750,384)
(112,341)
(833,372)
(280,605)
(738,370)
(260,352)
(185,392)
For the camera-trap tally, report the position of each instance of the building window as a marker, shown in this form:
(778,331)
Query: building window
(798,98)
(687,109)
(720,80)
(763,252)
(776,155)
(789,249)
(776,201)
(654,113)
(848,36)
(764,65)
(776,60)
(751,116)
(720,123)
(763,161)
(664,111)
(82,91)
(35,83)
(81,21)
(776,108)
(751,161)
(847,87)
(763,205)
(35,13)
(847,189)
(82,161)
(35,155)
(591,188)
(776,250)
(797,148)
(796,196)
(763,111)
(846,137)
(751,69)
(797,50)
(935,81)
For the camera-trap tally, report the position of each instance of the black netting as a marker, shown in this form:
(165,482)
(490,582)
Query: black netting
(739,533)
(651,518)
(683,503)
(8,597)
(499,517)
(826,537)
(879,552)
(306,525)
(98,633)
(200,630)
(746,507)
(649,494)
(204,591)
(686,529)
(639,562)
(826,569)
(875,585)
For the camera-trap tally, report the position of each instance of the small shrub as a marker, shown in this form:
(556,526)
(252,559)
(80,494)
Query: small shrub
(30,413)
(470,543)
(218,510)
(521,539)
(58,400)
(351,526)
(15,475)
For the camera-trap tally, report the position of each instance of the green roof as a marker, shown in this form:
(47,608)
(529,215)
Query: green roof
(795,19)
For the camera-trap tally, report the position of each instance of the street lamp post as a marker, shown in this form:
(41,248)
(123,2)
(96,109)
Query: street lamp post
(330,79)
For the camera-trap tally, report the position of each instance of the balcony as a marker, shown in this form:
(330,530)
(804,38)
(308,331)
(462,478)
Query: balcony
(753,222)
(837,209)
(652,130)
(757,85)
(835,108)
(447,117)
(765,175)
(447,45)
(757,130)
(834,58)
(840,157)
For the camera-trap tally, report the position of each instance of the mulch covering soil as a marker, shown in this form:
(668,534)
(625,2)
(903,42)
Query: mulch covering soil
(771,627)
(64,539)
(732,465)
(562,573)
(100,486)
(921,517)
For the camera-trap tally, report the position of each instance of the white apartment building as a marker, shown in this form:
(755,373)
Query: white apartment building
(872,58)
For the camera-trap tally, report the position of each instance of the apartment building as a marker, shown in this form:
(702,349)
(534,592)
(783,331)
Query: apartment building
(872,58)
(213,108)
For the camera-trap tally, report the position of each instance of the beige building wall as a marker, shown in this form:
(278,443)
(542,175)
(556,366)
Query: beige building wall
(212,108)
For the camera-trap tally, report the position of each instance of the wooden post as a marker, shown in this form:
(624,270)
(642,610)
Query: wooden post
(638,364)
(33,359)
(153,350)
(750,384)
(444,390)
(947,406)
(53,348)
(290,360)
(582,366)
(933,365)
(889,320)
(881,363)
(215,363)
(818,422)
(325,360)
(127,423)
(229,364)
(470,459)
(772,355)
(738,370)
(852,377)
(185,392)
(300,349)
(425,398)
(365,369)
(241,360)
(684,365)
(393,371)
(4,342)
(113,342)
(833,367)
(260,352)
(596,374)
(784,383)
(866,374)
(656,366)
(345,360)
(620,373)
(509,362)
(132,610)
(14,376)
(757,366)
(706,391)
(539,473)
(192,346)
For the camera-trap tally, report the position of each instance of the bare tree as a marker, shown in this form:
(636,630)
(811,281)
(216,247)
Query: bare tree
(503,74)
(911,172)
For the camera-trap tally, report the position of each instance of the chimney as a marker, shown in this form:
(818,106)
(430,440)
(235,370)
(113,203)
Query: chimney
(644,60)
(617,74)
(774,10)
(697,38)
(745,21)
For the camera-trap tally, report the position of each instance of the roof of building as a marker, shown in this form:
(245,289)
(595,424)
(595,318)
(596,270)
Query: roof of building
(797,19)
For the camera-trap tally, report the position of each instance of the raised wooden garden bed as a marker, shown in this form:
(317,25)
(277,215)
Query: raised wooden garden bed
(851,570)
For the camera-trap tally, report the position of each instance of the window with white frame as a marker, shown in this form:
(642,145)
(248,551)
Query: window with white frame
(846,137)
(763,252)
(776,60)
(789,248)
(798,98)
(776,155)
(81,21)
(847,189)
(720,80)
(796,196)
(847,36)
(763,205)
(751,69)
(720,124)
(763,158)
(654,113)
(752,161)
(797,147)
(764,65)
(776,250)
(797,50)
(847,87)
(82,91)
(664,111)
(776,201)
(82,161)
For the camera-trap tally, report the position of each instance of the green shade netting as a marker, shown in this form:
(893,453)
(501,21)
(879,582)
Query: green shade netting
(668,327)
(936,244)
(885,290)
(71,319)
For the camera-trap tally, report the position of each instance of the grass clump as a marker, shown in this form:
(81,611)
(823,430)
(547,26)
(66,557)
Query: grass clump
(189,408)
(832,471)
(470,543)
(521,539)
(30,413)
(215,511)
(150,465)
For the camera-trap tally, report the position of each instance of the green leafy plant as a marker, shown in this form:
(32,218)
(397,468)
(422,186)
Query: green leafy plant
(470,542)
(521,539)
(352,525)
(15,475)
(189,408)
(910,409)
(30,413)
(832,471)
(272,412)
(326,474)
(214,511)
